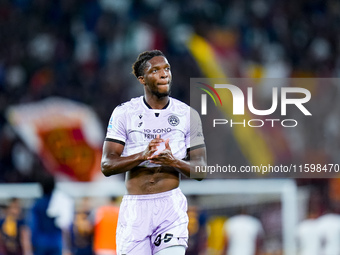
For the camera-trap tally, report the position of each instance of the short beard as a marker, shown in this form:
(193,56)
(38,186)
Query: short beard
(161,95)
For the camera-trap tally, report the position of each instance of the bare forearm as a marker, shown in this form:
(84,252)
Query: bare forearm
(116,165)
(196,158)
(113,163)
(187,168)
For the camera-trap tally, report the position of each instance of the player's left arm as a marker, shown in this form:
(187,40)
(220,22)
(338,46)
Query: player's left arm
(197,158)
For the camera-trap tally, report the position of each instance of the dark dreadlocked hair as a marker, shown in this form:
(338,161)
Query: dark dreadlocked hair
(140,64)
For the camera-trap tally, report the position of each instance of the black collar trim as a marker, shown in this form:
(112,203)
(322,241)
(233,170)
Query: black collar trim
(151,107)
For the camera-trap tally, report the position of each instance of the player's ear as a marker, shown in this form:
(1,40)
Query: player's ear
(141,80)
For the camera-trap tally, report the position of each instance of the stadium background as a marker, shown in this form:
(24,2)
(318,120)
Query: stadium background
(82,51)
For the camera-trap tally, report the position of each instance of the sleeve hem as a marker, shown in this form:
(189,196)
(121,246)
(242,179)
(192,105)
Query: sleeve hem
(195,147)
(114,140)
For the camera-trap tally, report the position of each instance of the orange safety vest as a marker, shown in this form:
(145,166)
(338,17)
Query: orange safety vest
(105,228)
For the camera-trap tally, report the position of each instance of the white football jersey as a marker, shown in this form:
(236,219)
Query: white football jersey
(134,124)
(243,231)
(329,231)
(308,237)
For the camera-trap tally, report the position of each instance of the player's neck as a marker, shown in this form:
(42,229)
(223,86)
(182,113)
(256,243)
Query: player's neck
(154,102)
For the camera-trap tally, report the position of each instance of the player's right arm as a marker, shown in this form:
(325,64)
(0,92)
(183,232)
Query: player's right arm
(112,162)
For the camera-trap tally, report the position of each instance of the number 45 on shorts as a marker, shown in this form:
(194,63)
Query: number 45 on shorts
(167,238)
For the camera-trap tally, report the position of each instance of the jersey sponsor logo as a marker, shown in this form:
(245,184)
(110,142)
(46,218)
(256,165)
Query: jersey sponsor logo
(152,133)
(173,120)
(150,136)
(157,130)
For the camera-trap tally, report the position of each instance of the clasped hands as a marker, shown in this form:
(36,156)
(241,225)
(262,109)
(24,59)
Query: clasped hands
(163,157)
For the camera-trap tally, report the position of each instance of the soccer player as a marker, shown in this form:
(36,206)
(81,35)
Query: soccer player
(243,235)
(148,138)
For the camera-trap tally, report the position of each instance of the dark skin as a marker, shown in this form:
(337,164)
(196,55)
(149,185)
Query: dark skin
(141,180)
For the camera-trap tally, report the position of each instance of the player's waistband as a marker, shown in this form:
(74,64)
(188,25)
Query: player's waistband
(153,196)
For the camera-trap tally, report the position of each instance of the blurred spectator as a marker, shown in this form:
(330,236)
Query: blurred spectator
(81,232)
(215,237)
(243,235)
(308,232)
(14,233)
(104,220)
(47,222)
(197,243)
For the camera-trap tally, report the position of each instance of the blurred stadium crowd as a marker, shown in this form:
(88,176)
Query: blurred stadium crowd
(83,50)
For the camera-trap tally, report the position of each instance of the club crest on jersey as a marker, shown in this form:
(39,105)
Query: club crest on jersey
(173,120)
